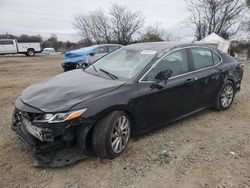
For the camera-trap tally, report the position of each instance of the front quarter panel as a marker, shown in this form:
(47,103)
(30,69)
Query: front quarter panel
(119,99)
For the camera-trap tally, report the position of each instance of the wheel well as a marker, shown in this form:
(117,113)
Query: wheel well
(231,80)
(30,49)
(90,132)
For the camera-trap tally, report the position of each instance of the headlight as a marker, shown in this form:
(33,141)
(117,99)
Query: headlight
(60,117)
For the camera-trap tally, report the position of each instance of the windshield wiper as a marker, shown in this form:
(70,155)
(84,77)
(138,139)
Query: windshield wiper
(94,67)
(114,77)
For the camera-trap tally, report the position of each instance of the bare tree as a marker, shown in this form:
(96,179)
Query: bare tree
(94,26)
(221,17)
(101,26)
(120,25)
(82,24)
(125,23)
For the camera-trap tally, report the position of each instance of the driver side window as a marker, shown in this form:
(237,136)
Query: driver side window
(177,62)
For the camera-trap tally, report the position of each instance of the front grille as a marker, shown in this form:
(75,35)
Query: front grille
(29,116)
(26,116)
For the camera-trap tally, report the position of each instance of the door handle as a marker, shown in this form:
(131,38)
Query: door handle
(189,81)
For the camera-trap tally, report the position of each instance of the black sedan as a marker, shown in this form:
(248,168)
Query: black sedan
(129,92)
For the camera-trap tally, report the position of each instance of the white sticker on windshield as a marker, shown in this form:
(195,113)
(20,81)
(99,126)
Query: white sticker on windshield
(148,52)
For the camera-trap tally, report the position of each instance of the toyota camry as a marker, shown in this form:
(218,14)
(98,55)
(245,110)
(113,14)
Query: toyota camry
(127,93)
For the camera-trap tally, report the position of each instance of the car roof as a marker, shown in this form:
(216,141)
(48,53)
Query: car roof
(162,46)
(107,45)
(99,45)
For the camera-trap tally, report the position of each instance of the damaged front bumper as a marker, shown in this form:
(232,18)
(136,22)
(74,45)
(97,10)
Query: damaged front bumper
(69,66)
(55,145)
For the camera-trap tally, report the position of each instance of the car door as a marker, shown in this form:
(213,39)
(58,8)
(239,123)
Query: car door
(2,47)
(209,76)
(7,46)
(157,106)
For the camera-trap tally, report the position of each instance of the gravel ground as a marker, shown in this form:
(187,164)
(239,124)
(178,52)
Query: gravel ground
(209,149)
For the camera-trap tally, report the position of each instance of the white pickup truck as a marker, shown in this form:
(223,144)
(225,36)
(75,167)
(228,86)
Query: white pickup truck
(11,46)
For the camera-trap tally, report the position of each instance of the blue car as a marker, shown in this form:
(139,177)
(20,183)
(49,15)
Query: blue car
(84,56)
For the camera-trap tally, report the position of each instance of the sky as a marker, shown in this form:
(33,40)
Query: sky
(46,17)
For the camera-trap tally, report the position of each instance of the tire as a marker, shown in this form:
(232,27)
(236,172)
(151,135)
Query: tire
(78,66)
(108,140)
(84,66)
(225,96)
(31,52)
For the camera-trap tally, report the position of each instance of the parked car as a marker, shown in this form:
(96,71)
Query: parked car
(128,92)
(11,46)
(48,51)
(85,56)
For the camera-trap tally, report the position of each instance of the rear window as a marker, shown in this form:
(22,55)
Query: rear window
(202,58)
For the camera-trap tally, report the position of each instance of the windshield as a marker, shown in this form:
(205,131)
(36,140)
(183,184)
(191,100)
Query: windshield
(123,63)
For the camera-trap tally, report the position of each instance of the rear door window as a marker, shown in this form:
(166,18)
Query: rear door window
(202,58)
(216,58)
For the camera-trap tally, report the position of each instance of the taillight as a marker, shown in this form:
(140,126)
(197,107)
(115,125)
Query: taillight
(241,65)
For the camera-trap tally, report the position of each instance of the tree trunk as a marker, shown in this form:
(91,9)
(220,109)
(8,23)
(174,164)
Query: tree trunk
(248,54)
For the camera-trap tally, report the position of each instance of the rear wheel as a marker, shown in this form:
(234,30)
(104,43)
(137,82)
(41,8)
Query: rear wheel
(111,135)
(226,96)
(30,52)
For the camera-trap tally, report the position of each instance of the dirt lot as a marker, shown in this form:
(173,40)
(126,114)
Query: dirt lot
(210,149)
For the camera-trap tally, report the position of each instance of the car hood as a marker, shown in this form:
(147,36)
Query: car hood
(65,90)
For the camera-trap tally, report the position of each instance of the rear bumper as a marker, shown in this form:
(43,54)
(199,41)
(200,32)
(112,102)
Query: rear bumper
(59,151)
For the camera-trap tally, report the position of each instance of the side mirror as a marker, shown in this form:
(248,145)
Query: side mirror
(92,53)
(161,79)
(163,75)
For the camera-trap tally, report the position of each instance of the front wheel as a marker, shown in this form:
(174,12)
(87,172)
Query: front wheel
(225,97)
(111,135)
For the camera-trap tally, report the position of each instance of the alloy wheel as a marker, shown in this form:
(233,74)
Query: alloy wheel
(120,134)
(227,96)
